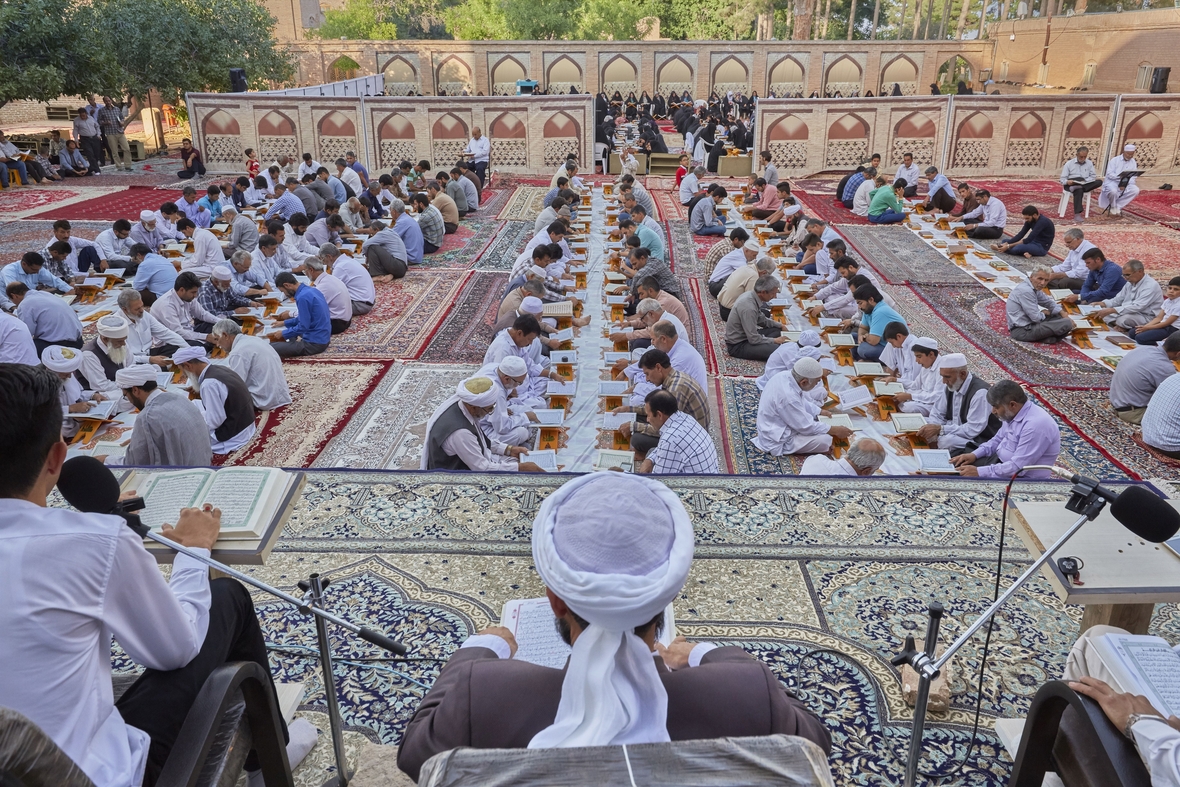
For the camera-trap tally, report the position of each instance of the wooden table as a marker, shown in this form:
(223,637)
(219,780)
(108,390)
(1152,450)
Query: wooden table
(1124,576)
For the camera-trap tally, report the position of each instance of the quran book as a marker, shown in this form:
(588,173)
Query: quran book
(614,357)
(796,273)
(608,458)
(531,622)
(839,419)
(854,396)
(612,421)
(888,389)
(613,387)
(908,422)
(868,368)
(564,335)
(546,459)
(792,336)
(1141,664)
(1112,360)
(101,411)
(250,498)
(934,460)
(617,278)
(1087,309)
(1060,295)
(841,340)
(95,281)
(163,379)
(829,322)
(563,356)
(219,227)
(557,387)
(800,288)
(781,302)
(810,303)
(616,300)
(549,417)
(558,309)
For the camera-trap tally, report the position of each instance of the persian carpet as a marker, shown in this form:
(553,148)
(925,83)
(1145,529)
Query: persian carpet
(784,567)
(1156,246)
(492,202)
(923,321)
(465,334)
(19,201)
(979,316)
(407,314)
(388,428)
(901,256)
(668,204)
(524,204)
(1161,206)
(1047,205)
(687,250)
(324,396)
(463,247)
(17,237)
(125,204)
(711,343)
(500,254)
(824,206)
(1089,413)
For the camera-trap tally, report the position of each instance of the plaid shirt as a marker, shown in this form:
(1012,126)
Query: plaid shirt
(430,221)
(685,447)
(218,302)
(110,120)
(690,398)
(659,270)
(286,206)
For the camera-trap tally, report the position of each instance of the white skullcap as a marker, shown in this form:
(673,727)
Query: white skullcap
(513,366)
(146,215)
(222,273)
(537,270)
(56,358)
(135,376)
(477,392)
(1129,148)
(953,361)
(186,354)
(751,245)
(808,339)
(112,327)
(791,210)
(927,342)
(532,305)
(616,549)
(808,368)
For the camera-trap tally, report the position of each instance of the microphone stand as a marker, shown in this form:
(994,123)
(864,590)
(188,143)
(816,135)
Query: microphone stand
(310,604)
(1083,501)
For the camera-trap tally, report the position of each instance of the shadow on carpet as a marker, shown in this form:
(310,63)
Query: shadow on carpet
(466,333)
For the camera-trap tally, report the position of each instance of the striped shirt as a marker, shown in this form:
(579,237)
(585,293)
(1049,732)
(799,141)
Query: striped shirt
(690,398)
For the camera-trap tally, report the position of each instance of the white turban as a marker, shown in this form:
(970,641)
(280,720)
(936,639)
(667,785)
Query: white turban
(112,327)
(953,361)
(791,210)
(752,245)
(513,366)
(136,376)
(808,368)
(186,354)
(146,216)
(1128,148)
(222,273)
(537,270)
(616,549)
(477,392)
(532,305)
(927,342)
(61,359)
(808,339)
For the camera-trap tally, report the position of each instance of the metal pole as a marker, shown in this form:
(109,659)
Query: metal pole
(915,754)
(321,630)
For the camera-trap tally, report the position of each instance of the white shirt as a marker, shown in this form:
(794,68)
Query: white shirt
(993,214)
(481,148)
(818,464)
(953,434)
(16,343)
(180,316)
(861,199)
(1116,167)
(690,184)
(308,168)
(71,581)
(1073,266)
(783,359)
(467,447)
(206,256)
(684,356)
(148,332)
(49,317)
(167,228)
(76,245)
(296,246)
(351,178)
(260,366)
(784,412)
(728,264)
(910,174)
(336,294)
(114,248)
(355,278)
(901,358)
(212,402)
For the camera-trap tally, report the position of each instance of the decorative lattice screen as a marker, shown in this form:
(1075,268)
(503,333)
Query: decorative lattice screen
(972,153)
(667,87)
(510,153)
(223,149)
(270,148)
(846,152)
(332,148)
(563,87)
(789,155)
(557,148)
(1147,152)
(721,88)
(907,88)
(843,88)
(457,88)
(1069,149)
(1025,153)
(785,89)
(921,147)
(446,151)
(401,88)
(395,151)
(623,87)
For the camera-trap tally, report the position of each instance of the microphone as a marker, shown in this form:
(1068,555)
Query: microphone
(1136,508)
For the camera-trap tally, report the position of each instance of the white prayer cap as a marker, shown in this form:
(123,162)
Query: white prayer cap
(752,245)
(186,354)
(532,305)
(808,339)
(146,216)
(1128,148)
(926,342)
(791,210)
(135,376)
(513,366)
(537,270)
(222,273)
(112,327)
(477,392)
(953,361)
(808,368)
(616,566)
(61,359)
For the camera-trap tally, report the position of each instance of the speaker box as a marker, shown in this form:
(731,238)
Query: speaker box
(237,80)
(1159,79)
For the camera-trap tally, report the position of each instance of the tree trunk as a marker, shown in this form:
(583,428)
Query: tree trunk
(876,14)
(982,19)
(966,4)
(929,20)
(827,17)
(917,18)
(851,18)
(946,12)
(802,29)
(765,28)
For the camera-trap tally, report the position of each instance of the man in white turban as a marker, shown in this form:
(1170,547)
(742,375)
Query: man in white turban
(170,430)
(509,422)
(105,355)
(788,413)
(614,551)
(782,359)
(225,399)
(64,361)
(454,440)
(961,419)
(146,232)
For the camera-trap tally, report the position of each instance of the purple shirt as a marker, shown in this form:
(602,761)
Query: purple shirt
(192,210)
(1031,438)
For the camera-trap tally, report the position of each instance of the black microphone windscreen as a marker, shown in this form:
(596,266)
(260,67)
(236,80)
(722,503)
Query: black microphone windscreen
(1146,514)
(88,485)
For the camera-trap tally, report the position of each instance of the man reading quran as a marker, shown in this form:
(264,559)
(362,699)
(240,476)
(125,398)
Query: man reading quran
(613,551)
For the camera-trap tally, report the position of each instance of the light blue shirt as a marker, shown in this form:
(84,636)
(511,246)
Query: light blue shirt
(155,273)
(338,189)
(42,278)
(881,316)
(940,183)
(211,205)
(411,235)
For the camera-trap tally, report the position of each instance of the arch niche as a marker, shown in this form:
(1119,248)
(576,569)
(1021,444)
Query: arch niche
(786,78)
(973,142)
(401,78)
(953,71)
(848,141)
(343,67)
(901,71)
(562,74)
(620,74)
(843,76)
(337,136)
(397,141)
(222,138)
(731,74)
(448,136)
(505,74)
(1146,133)
(1083,131)
(276,137)
(674,74)
(915,133)
(453,77)
(1026,142)
(511,145)
(786,139)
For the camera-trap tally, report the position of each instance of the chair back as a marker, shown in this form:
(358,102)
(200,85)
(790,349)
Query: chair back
(30,758)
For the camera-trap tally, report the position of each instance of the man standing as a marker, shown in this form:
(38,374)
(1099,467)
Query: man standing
(256,362)
(112,126)
(1032,315)
(787,415)
(87,132)
(1136,303)
(50,319)
(1117,190)
(1139,374)
(169,430)
(908,171)
(684,445)
(964,421)
(225,399)
(309,332)
(1078,177)
(1028,436)
(750,334)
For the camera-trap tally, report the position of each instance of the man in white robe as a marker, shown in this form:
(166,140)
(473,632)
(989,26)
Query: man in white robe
(787,415)
(454,440)
(523,341)
(923,385)
(256,362)
(962,393)
(782,359)
(509,421)
(105,355)
(170,430)
(1114,196)
(64,361)
(863,458)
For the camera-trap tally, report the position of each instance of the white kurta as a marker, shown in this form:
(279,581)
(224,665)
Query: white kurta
(502,426)
(206,256)
(818,464)
(926,388)
(953,433)
(536,384)
(261,368)
(783,359)
(1110,196)
(787,420)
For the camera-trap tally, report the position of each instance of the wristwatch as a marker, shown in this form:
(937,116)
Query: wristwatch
(1135,718)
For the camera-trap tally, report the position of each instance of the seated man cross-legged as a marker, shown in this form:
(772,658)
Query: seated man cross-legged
(1032,315)
(1035,237)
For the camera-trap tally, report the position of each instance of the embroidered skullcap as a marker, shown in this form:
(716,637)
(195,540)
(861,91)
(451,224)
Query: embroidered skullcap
(532,305)
(477,392)
(808,368)
(953,361)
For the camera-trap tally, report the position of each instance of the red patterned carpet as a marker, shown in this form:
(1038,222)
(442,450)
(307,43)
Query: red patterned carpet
(1161,206)
(24,198)
(121,205)
(1156,246)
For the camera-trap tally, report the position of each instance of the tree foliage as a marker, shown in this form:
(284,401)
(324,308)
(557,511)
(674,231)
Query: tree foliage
(359,20)
(477,20)
(619,20)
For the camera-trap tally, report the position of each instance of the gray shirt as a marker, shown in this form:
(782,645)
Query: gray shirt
(1143,297)
(1137,376)
(49,318)
(745,318)
(322,190)
(170,432)
(243,235)
(704,214)
(1025,304)
(388,240)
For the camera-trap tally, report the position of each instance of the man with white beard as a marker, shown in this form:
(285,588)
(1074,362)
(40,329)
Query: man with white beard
(1114,196)
(105,355)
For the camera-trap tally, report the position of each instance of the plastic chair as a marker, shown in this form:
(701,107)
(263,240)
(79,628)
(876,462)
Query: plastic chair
(1068,733)
(1066,196)
(235,712)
